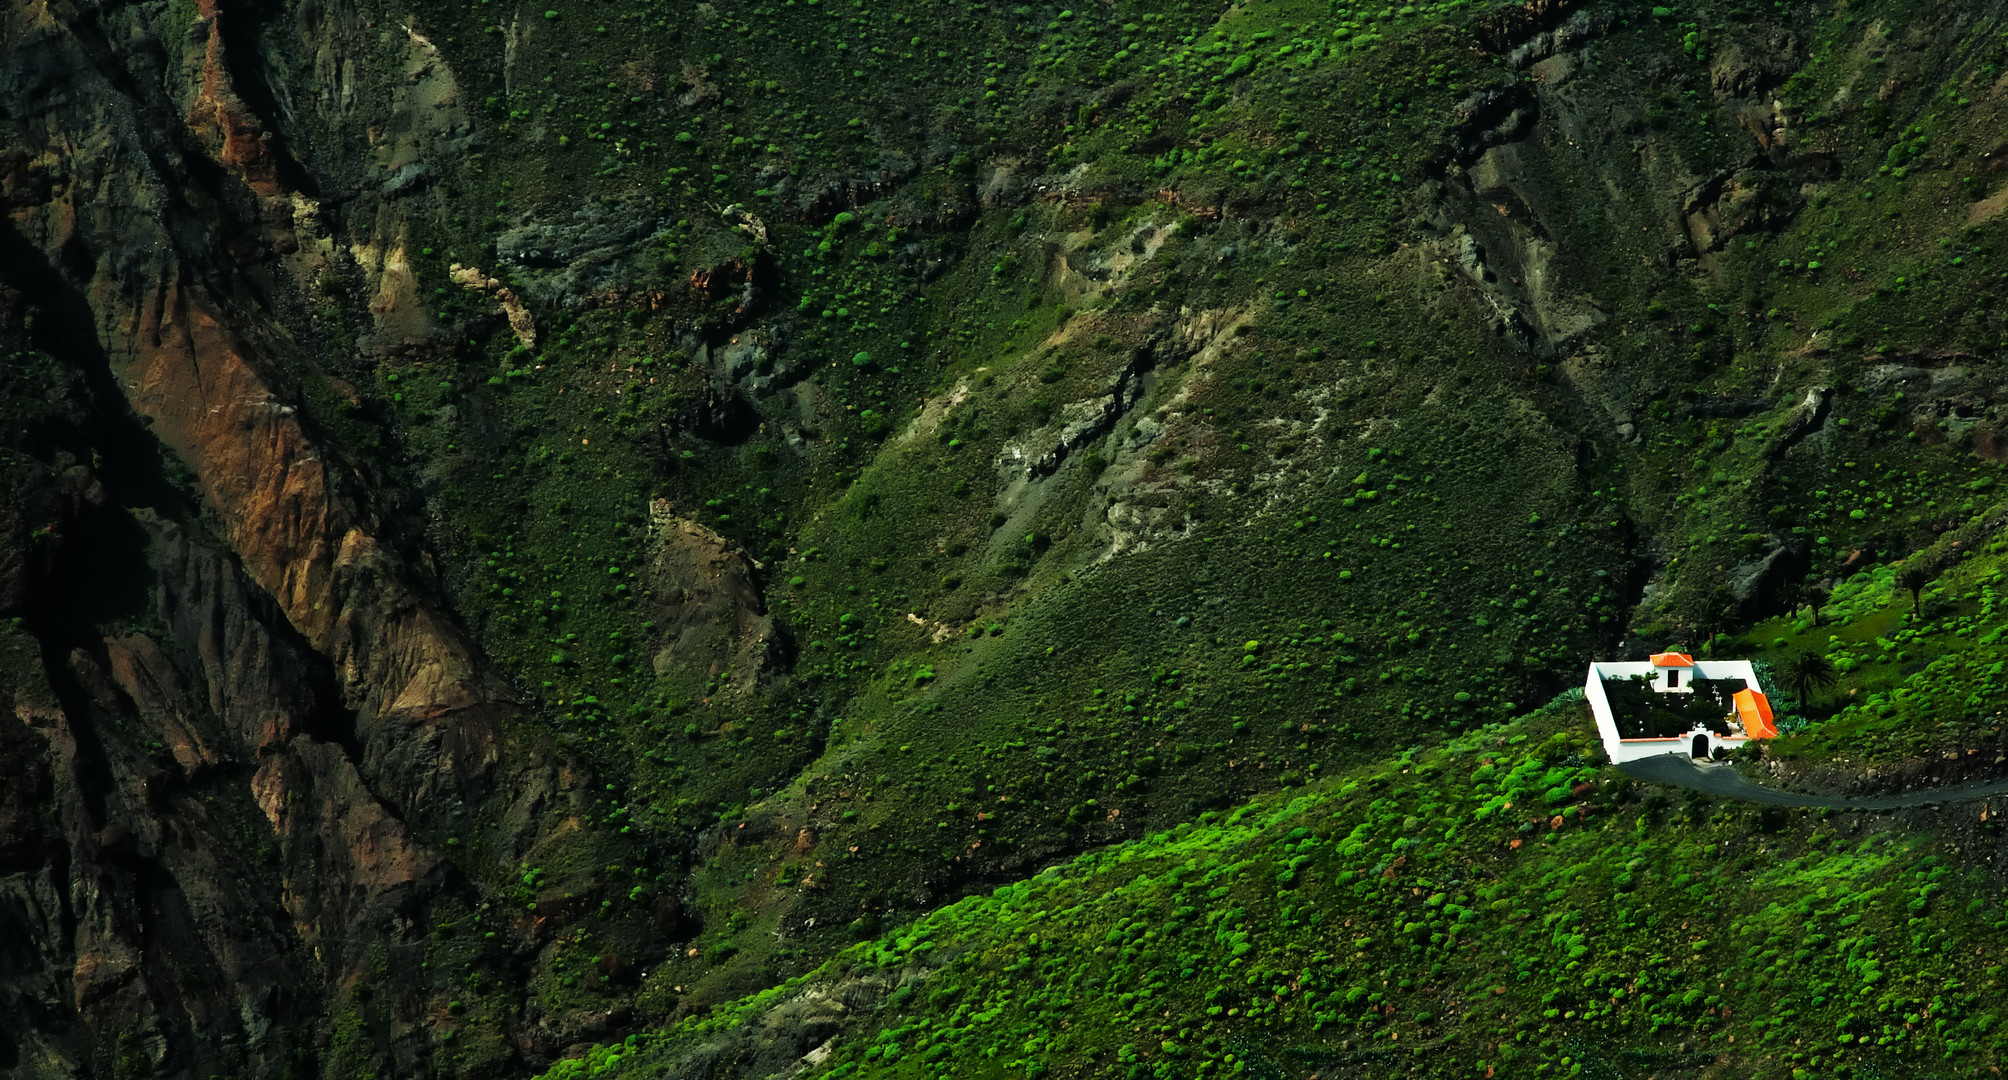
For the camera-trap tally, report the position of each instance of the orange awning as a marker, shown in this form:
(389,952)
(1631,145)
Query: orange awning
(1671,659)
(1754,710)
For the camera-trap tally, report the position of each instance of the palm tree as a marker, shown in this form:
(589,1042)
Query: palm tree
(1718,613)
(1807,672)
(1792,594)
(1915,579)
(1815,598)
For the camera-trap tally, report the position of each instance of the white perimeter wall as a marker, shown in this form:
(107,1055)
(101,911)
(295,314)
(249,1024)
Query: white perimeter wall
(1633,749)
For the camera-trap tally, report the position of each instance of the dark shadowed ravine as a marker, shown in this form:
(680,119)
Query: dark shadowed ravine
(1726,782)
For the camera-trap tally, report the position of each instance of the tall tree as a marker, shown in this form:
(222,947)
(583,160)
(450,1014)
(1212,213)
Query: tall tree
(1914,578)
(1807,672)
(1817,597)
(1718,615)
(1792,594)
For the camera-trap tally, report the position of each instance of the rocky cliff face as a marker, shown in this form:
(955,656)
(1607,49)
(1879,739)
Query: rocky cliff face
(245,721)
(227,812)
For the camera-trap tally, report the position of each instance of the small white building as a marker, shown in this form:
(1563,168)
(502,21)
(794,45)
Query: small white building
(1675,704)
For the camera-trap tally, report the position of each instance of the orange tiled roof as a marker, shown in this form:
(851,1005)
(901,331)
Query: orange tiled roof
(1672,659)
(1754,710)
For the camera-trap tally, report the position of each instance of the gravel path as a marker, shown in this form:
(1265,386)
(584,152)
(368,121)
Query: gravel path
(1727,782)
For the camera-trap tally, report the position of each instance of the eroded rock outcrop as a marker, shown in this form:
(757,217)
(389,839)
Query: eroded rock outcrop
(704,595)
(238,742)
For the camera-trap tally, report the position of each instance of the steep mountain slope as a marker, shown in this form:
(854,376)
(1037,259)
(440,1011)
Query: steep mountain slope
(524,525)
(1493,903)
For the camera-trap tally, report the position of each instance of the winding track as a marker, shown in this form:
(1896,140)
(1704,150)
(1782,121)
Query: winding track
(1726,782)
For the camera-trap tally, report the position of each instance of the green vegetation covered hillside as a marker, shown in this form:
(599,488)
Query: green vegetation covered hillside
(1494,904)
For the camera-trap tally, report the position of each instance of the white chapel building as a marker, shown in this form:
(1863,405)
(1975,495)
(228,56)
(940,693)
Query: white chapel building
(1675,704)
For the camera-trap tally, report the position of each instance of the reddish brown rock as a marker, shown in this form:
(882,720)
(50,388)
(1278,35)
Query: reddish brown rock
(220,118)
